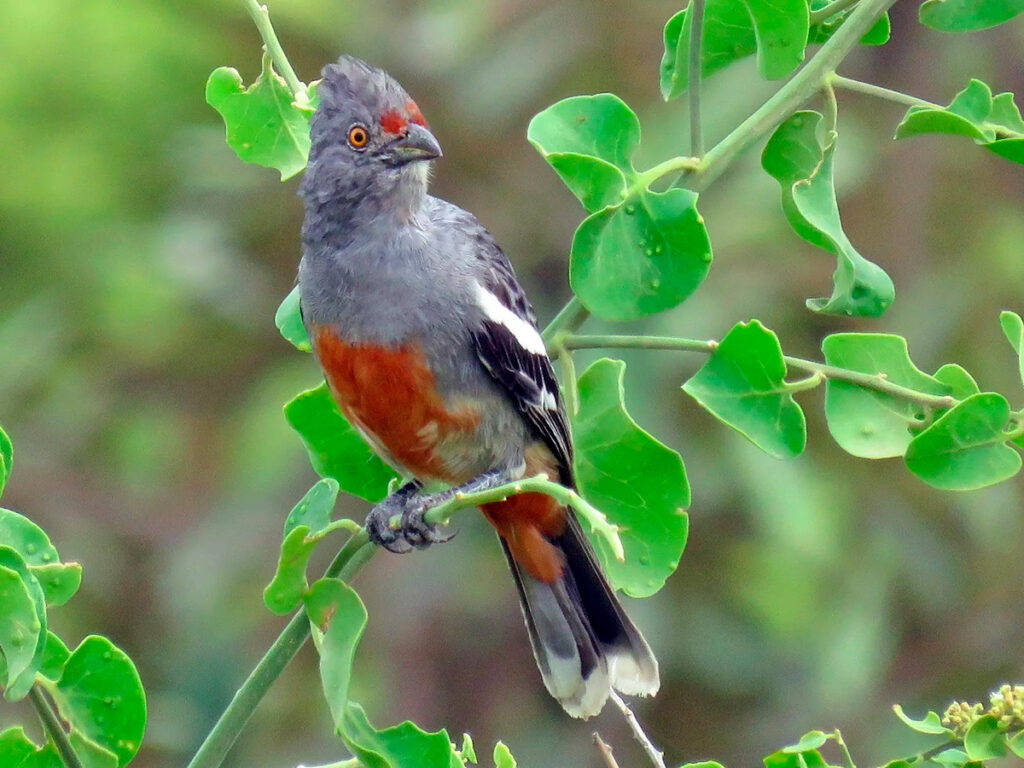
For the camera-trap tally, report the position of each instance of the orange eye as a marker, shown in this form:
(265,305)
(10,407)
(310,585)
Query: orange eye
(358,137)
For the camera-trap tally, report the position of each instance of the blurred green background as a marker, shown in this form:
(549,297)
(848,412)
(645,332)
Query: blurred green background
(142,379)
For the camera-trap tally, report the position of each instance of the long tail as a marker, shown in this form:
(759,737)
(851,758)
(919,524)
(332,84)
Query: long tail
(584,642)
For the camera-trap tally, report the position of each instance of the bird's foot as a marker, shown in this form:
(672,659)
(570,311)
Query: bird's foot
(416,529)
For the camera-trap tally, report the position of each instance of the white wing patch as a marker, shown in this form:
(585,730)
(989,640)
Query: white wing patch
(524,333)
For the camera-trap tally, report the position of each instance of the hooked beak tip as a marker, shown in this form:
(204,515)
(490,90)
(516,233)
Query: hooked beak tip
(418,144)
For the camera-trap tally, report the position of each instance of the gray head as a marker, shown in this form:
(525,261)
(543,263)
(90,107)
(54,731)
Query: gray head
(369,140)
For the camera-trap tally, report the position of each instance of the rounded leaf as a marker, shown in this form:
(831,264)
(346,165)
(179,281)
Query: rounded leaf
(101,695)
(642,257)
(6,458)
(984,740)
(967,15)
(639,483)
(288,320)
(19,625)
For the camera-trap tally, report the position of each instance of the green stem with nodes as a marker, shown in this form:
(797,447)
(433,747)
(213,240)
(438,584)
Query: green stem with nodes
(569,319)
(819,371)
(261,18)
(356,552)
(830,10)
(694,73)
(54,728)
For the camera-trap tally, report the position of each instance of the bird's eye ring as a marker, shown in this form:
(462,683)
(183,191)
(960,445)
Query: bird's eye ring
(358,137)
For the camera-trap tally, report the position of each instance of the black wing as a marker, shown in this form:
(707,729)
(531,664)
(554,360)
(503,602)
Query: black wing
(525,375)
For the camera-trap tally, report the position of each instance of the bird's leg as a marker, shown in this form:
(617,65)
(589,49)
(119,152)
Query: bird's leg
(420,533)
(381,533)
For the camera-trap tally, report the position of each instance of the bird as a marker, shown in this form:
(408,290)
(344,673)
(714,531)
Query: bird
(431,349)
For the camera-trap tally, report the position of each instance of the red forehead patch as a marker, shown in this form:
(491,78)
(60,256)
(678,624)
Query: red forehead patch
(414,113)
(393,121)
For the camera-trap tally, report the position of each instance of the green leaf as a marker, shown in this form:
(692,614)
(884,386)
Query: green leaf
(966,447)
(803,167)
(19,624)
(284,593)
(1016,744)
(315,508)
(951,758)
(994,122)
(30,541)
(589,141)
(264,125)
(703,764)
(15,746)
(44,757)
(468,752)
(743,385)
(337,618)
(809,742)
(865,422)
(6,458)
(984,740)
(101,695)
(638,482)
(930,723)
(822,31)
(335,448)
(91,753)
(401,746)
(642,257)
(60,581)
(783,759)
(960,383)
(34,633)
(1013,327)
(967,15)
(502,757)
(288,320)
(55,657)
(734,29)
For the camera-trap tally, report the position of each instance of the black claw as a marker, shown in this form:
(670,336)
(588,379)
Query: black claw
(379,529)
(416,530)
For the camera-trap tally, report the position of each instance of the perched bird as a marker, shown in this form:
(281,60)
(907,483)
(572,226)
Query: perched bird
(431,349)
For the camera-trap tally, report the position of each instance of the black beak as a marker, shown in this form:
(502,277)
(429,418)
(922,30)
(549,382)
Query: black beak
(417,144)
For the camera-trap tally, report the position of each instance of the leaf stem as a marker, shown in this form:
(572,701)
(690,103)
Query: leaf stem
(606,752)
(694,73)
(831,110)
(879,92)
(261,18)
(830,10)
(875,381)
(569,319)
(570,393)
(800,87)
(847,757)
(53,726)
(218,742)
(656,756)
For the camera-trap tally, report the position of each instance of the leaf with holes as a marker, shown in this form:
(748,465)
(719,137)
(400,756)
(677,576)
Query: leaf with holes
(589,141)
(642,257)
(994,122)
(101,695)
(639,483)
(734,29)
(264,125)
(288,320)
(866,422)
(335,448)
(1013,328)
(743,385)
(967,15)
(966,447)
(803,167)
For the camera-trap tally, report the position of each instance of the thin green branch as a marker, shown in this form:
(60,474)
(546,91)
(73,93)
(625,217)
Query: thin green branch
(569,319)
(875,381)
(879,92)
(830,10)
(831,109)
(802,86)
(847,757)
(694,76)
(218,742)
(53,726)
(570,393)
(261,17)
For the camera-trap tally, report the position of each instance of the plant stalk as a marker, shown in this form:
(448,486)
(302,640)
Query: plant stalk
(54,728)
(261,18)
(694,72)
